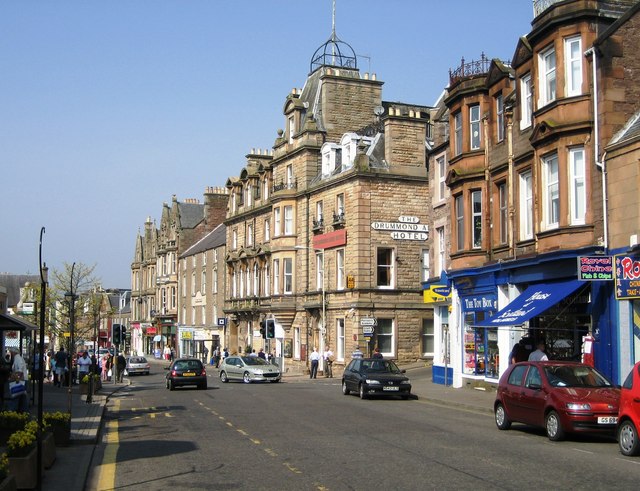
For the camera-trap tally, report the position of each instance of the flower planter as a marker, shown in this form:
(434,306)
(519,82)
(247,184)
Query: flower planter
(48,450)
(9,484)
(25,470)
(61,434)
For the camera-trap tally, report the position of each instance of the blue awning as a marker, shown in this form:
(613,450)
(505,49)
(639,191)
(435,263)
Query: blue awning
(532,302)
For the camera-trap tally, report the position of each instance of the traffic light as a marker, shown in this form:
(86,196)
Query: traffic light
(270,328)
(263,330)
(123,333)
(115,334)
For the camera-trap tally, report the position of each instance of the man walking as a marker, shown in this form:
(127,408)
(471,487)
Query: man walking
(61,367)
(121,364)
(315,358)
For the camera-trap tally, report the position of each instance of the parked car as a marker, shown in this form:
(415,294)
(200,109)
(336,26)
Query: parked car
(138,364)
(375,376)
(186,371)
(629,414)
(248,369)
(561,397)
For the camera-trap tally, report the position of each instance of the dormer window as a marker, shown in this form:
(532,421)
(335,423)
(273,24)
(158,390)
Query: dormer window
(291,127)
(248,195)
(349,144)
(331,158)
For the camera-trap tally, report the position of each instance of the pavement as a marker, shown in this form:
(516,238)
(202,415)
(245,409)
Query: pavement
(73,462)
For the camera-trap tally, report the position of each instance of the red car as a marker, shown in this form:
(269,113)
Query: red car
(561,397)
(629,414)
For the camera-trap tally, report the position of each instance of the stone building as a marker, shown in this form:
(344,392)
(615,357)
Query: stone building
(328,233)
(154,269)
(202,272)
(527,198)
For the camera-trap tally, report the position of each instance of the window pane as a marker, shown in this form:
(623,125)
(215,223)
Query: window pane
(384,264)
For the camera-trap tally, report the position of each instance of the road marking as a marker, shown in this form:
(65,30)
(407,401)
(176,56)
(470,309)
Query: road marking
(152,415)
(271,452)
(107,475)
(168,415)
(291,468)
(242,432)
(257,442)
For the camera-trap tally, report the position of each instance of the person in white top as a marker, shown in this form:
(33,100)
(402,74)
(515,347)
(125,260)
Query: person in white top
(328,362)
(19,373)
(84,365)
(539,354)
(315,358)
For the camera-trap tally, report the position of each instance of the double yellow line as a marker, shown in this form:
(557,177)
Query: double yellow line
(107,475)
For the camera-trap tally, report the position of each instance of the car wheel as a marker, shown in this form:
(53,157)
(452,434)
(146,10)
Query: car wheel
(171,386)
(554,427)
(405,397)
(223,377)
(502,420)
(628,439)
(345,391)
(166,383)
(363,393)
(246,378)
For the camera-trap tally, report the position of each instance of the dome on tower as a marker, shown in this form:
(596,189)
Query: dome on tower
(334,53)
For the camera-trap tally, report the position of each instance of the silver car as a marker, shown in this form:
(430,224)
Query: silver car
(137,364)
(248,369)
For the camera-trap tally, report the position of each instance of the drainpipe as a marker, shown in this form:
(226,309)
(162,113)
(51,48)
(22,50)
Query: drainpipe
(596,147)
(487,179)
(510,186)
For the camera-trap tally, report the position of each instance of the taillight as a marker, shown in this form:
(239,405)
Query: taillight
(174,373)
(204,373)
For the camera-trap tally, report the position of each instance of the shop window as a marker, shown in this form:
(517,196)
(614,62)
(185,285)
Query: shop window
(481,355)
(427,337)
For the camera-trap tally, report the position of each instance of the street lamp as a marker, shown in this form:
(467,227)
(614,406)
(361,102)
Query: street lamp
(44,277)
(71,298)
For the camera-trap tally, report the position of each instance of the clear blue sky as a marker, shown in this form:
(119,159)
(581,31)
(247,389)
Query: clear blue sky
(108,108)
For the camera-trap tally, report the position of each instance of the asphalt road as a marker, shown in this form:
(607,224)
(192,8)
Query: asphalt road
(304,434)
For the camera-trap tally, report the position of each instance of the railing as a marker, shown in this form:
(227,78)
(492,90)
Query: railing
(474,67)
(285,185)
(338,218)
(318,224)
(540,6)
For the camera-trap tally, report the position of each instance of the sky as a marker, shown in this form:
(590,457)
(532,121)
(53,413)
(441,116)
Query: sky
(108,108)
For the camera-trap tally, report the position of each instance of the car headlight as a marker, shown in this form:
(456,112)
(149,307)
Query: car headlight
(405,382)
(258,372)
(578,406)
(372,382)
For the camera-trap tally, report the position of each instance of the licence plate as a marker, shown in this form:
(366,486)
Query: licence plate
(188,374)
(391,388)
(607,420)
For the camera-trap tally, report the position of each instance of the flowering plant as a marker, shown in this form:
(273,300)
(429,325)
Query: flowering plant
(13,420)
(32,426)
(85,379)
(4,466)
(56,419)
(21,443)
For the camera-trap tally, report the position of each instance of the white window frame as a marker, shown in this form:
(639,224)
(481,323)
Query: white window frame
(234,285)
(476,218)
(319,270)
(241,291)
(248,196)
(340,278)
(441,177)
(526,205)
(267,230)
(214,280)
(289,176)
(427,337)
(340,204)
(340,339)
(256,280)
(234,239)
(193,283)
(475,135)
(388,267)
(203,279)
(267,280)
(459,216)
(287,267)
(500,117)
(547,73)
(503,233)
(441,250)
(250,234)
(276,276)
(292,127)
(424,264)
(392,336)
(457,135)
(319,211)
(573,65)
(551,191)
(288,220)
(578,185)
(247,273)
(276,222)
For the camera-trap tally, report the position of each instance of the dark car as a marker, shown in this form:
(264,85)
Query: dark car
(561,397)
(186,371)
(375,376)
(629,414)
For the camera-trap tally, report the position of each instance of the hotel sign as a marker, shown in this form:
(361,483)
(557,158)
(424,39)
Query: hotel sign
(406,228)
(336,238)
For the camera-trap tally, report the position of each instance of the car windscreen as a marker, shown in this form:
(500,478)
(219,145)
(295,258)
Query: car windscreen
(575,376)
(137,360)
(381,366)
(188,365)
(253,360)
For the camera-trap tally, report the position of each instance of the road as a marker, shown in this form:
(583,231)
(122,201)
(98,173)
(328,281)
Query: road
(304,434)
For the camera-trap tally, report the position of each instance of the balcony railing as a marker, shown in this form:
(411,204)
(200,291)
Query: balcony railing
(474,67)
(318,224)
(338,218)
(285,185)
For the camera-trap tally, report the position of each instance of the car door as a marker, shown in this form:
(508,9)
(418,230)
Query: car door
(232,367)
(351,377)
(534,397)
(512,392)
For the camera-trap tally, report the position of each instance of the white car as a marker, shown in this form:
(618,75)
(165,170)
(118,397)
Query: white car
(138,364)
(248,369)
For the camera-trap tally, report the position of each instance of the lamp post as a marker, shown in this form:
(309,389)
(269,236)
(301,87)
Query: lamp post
(71,298)
(44,273)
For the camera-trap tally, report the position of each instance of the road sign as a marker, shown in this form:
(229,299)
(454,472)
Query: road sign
(222,321)
(368,321)
(367,330)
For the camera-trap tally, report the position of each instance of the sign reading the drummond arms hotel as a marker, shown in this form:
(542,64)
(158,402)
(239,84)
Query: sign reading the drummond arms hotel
(406,228)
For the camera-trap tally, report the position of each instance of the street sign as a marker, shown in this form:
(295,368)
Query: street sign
(222,321)
(367,330)
(368,321)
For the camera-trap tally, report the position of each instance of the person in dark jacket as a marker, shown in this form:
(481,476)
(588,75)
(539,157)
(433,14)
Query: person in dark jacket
(121,364)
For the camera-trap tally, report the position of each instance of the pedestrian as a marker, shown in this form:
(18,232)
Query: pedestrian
(539,354)
(121,365)
(61,367)
(518,353)
(172,354)
(110,367)
(253,354)
(205,353)
(216,356)
(19,373)
(84,365)
(357,353)
(105,369)
(225,354)
(328,362)
(262,355)
(315,358)
(376,353)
